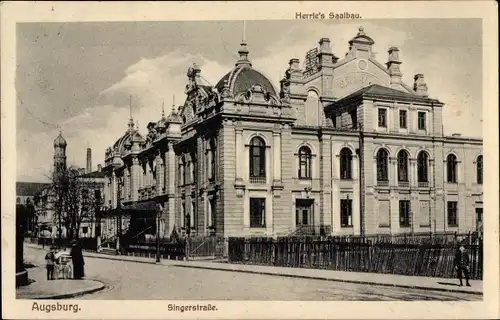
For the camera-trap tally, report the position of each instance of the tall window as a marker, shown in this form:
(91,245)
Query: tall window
(257,158)
(213,156)
(304,163)
(423,167)
(451,168)
(452,208)
(479,168)
(193,168)
(421,120)
(403,166)
(345,164)
(181,171)
(346,213)
(185,171)
(257,212)
(382,118)
(193,216)
(402,119)
(183,215)
(213,213)
(404,213)
(382,165)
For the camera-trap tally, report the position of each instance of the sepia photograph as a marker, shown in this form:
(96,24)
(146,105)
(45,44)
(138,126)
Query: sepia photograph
(324,157)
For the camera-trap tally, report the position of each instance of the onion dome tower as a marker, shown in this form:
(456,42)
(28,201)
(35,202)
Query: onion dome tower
(60,145)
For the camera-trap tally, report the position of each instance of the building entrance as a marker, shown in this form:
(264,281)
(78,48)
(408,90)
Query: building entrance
(304,213)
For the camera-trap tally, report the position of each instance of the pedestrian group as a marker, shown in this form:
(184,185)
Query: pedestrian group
(61,265)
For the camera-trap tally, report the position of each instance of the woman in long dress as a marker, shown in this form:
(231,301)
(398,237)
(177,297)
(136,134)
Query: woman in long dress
(77,259)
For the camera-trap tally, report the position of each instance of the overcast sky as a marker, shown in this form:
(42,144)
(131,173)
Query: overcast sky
(79,76)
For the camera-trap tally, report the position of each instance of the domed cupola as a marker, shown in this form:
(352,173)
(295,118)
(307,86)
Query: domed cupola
(174,117)
(60,142)
(244,83)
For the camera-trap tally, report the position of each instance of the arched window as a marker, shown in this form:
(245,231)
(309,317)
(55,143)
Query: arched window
(382,166)
(403,166)
(479,168)
(305,163)
(451,168)
(345,164)
(257,160)
(18,200)
(423,167)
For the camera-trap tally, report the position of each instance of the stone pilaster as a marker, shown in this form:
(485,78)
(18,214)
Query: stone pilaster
(134,179)
(170,186)
(276,157)
(412,175)
(392,168)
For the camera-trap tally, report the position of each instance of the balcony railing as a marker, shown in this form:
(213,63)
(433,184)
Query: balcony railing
(383,183)
(260,180)
(403,184)
(422,184)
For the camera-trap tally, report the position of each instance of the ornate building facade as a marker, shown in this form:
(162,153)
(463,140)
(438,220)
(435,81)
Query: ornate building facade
(344,147)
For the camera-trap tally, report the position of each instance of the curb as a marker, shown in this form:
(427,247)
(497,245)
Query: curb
(104,257)
(333,279)
(294,276)
(68,295)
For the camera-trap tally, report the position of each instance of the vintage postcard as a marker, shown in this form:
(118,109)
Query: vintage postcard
(233,160)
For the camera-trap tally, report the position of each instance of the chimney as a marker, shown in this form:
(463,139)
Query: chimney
(99,168)
(419,86)
(393,66)
(89,160)
(325,55)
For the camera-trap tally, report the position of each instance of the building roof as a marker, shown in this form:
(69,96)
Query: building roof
(94,174)
(127,138)
(30,188)
(242,78)
(377,90)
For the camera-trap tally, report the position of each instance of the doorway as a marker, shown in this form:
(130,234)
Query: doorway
(304,213)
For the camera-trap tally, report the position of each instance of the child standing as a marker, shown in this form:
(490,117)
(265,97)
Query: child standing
(50,262)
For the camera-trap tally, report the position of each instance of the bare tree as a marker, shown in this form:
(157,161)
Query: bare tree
(72,201)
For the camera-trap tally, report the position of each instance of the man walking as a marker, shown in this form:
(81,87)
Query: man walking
(462,265)
(50,262)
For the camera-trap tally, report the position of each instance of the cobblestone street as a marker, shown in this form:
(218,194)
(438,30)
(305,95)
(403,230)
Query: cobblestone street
(138,281)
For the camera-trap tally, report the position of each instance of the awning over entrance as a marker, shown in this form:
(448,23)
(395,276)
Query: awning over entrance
(136,208)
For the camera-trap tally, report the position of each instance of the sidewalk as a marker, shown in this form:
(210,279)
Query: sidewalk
(41,288)
(413,282)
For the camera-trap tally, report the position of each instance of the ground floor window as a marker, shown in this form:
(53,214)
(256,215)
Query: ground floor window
(212,213)
(257,212)
(452,209)
(404,213)
(346,213)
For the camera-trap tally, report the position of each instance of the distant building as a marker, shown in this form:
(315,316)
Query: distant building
(28,194)
(91,185)
(345,147)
